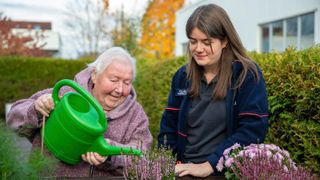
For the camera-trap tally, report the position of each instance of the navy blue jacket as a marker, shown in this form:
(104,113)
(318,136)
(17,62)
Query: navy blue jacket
(247,114)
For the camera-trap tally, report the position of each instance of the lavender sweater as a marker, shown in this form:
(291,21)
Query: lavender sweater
(127,126)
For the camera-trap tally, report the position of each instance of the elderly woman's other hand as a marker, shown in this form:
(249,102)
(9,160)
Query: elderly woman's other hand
(93,158)
(44,104)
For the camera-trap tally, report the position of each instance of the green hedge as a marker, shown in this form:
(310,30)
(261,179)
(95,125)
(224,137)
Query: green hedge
(292,79)
(21,77)
(293,82)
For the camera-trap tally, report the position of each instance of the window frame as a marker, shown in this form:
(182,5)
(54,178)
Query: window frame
(285,44)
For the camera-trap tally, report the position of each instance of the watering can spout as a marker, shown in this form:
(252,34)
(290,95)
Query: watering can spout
(103,148)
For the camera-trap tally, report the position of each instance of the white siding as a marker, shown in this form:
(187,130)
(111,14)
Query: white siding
(247,15)
(50,38)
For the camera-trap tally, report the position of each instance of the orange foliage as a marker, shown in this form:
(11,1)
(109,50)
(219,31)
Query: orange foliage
(105,4)
(158,31)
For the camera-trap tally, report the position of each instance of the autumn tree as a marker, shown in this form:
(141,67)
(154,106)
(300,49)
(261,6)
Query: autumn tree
(19,44)
(125,32)
(89,23)
(158,31)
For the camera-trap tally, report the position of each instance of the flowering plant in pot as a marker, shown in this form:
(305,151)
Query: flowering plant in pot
(157,164)
(260,161)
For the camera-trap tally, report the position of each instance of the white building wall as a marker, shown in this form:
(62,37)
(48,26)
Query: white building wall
(51,40)
(247,15)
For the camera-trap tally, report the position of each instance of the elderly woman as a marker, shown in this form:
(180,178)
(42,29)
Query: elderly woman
(109,79)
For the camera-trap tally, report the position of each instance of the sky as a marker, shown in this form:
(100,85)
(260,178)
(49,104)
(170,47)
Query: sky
(54,11)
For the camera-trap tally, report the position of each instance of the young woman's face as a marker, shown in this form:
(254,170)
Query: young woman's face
(205,50)
(113,85)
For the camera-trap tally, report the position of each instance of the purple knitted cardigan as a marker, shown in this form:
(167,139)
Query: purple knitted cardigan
(127,126)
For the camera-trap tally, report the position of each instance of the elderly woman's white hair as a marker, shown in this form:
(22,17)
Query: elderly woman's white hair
(111,54)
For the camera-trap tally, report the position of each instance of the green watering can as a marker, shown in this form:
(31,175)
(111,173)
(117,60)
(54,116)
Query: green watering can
(76,126)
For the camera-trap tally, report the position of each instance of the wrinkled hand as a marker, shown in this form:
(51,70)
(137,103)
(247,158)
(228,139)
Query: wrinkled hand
(44,104)
(197,170)
(93,158)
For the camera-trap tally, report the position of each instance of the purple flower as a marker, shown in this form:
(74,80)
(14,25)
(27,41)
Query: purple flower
(220,164)
(229,162)
(260,161)
(235,146)
(268,153)
(156,164)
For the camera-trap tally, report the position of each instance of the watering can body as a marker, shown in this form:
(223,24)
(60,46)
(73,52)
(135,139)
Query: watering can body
(76,126)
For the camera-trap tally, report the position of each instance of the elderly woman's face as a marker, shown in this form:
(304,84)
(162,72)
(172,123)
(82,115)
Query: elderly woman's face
(113,85)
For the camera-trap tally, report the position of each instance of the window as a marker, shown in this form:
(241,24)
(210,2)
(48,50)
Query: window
(37,27)
(265,38)
(292,32)
(185,47)
(307,30)
(296,31)
(277,35)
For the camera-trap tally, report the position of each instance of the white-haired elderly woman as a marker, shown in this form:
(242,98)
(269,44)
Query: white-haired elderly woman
(109,79)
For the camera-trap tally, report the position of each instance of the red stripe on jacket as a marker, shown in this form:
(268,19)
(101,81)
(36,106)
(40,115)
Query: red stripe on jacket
(181,134)
(253,114)
(173,109)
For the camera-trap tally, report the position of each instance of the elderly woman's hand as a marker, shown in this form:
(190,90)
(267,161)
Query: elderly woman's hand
(93,158)
(44,104)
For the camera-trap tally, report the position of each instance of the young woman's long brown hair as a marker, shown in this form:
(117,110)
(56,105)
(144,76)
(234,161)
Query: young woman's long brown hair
(213,21)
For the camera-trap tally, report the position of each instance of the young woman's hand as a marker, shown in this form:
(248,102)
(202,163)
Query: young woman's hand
(196,170)
(44,104)
(93,158)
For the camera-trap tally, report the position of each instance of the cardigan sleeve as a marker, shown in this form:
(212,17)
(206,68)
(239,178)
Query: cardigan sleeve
(23,117)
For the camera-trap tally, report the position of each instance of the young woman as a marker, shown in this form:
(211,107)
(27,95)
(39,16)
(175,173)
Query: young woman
(219,98)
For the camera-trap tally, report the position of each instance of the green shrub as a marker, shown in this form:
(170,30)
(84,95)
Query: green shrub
(13,165)
(293,84)
(23,76)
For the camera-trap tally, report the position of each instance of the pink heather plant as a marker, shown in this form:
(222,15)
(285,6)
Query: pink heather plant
(260,161)
(157,164)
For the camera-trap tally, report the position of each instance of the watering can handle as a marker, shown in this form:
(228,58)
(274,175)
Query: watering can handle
(84,93)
